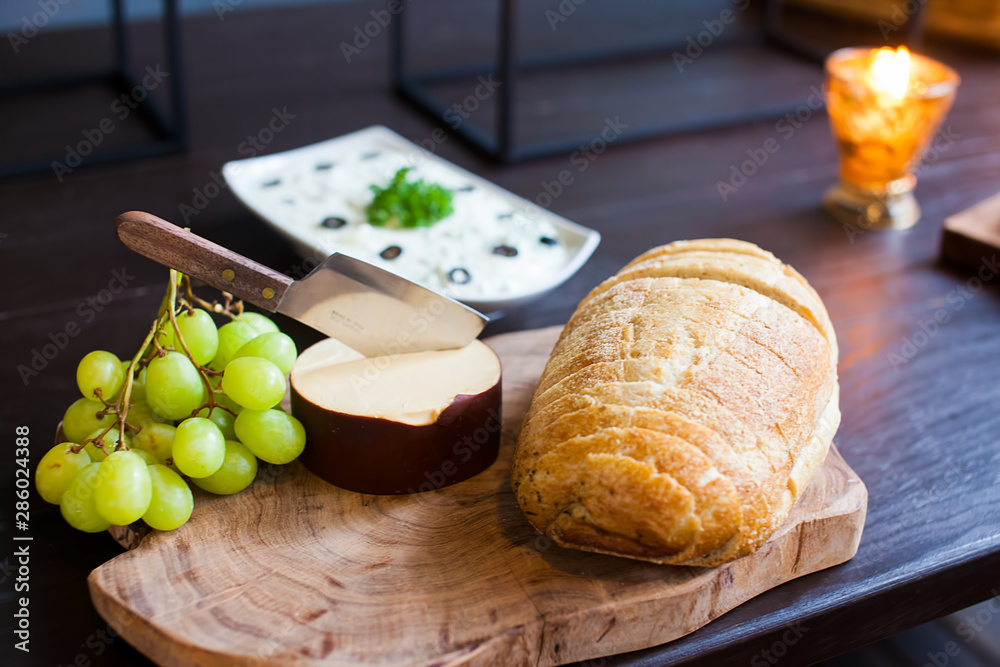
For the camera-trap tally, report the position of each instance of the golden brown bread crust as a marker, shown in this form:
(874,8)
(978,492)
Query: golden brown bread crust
(686,405)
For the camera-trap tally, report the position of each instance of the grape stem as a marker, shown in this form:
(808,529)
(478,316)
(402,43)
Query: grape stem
(226,308)
(126,395)
(121,406)
(230,307)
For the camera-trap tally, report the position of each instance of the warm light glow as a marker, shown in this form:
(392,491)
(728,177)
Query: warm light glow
(891,71)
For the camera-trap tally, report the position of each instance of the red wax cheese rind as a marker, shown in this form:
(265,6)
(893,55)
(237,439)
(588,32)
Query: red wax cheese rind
(430,444)
(380,456)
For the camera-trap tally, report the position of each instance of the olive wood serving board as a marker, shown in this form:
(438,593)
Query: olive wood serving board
(294,571)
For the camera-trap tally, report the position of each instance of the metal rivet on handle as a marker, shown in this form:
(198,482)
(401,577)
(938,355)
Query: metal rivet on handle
(228,275)
(267,293)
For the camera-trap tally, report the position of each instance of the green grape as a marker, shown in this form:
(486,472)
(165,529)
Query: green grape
(262,323)
(271,435)
(138,383)
(100,370)
(276,347)
(123,489)
(254,383)
(77,505)
(237,472)
(80,419)
(140,413)
(172,501)
(199,448)
(57,469)
(155,438)
(224,420)
(222,399)
(109,441)
(145,456)
(95,454)
(199,332)
(232,337)
(173,386)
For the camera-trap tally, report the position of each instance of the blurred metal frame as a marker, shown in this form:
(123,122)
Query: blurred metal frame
(776,35)
(501,145)
(171,129)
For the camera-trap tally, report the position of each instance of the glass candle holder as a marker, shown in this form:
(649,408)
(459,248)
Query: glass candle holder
(885,106)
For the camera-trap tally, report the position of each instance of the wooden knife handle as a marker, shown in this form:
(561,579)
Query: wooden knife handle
(179,249)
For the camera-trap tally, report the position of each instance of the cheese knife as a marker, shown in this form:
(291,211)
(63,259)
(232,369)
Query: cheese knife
(371,310)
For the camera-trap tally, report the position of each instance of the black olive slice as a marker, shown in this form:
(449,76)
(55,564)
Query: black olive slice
(392,252)
(459,276)
(505,251)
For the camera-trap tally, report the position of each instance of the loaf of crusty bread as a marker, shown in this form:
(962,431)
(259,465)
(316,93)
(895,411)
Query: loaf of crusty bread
(685,407)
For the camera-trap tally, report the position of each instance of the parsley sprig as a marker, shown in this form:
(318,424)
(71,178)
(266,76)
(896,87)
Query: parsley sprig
(408,204)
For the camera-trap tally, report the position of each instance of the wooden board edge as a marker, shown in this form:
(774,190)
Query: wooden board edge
(140,633)
(535,643)
(845,518)
(970,236)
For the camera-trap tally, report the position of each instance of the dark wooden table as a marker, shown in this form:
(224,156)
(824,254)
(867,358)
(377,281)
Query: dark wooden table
(921,423)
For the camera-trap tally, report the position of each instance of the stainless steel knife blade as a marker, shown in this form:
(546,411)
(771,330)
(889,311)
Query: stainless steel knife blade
(374,311)
(377,312)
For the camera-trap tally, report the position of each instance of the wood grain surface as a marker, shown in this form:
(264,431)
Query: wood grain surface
(919,429)
(295,571)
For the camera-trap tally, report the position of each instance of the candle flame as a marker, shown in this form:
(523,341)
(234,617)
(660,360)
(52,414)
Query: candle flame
(891,71)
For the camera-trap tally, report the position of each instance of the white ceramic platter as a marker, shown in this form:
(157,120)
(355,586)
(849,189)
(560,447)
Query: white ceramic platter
(495,251)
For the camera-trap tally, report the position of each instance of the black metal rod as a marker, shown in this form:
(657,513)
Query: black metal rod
(147,107)
(411,90)
(172,128)
(398,44)
(775,35)
(120,40)
(507,64)
(178,94)
(567,60)
(663,129)
(153,149)
(53,83)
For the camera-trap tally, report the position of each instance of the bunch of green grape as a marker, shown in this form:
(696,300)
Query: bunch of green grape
(197,404)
